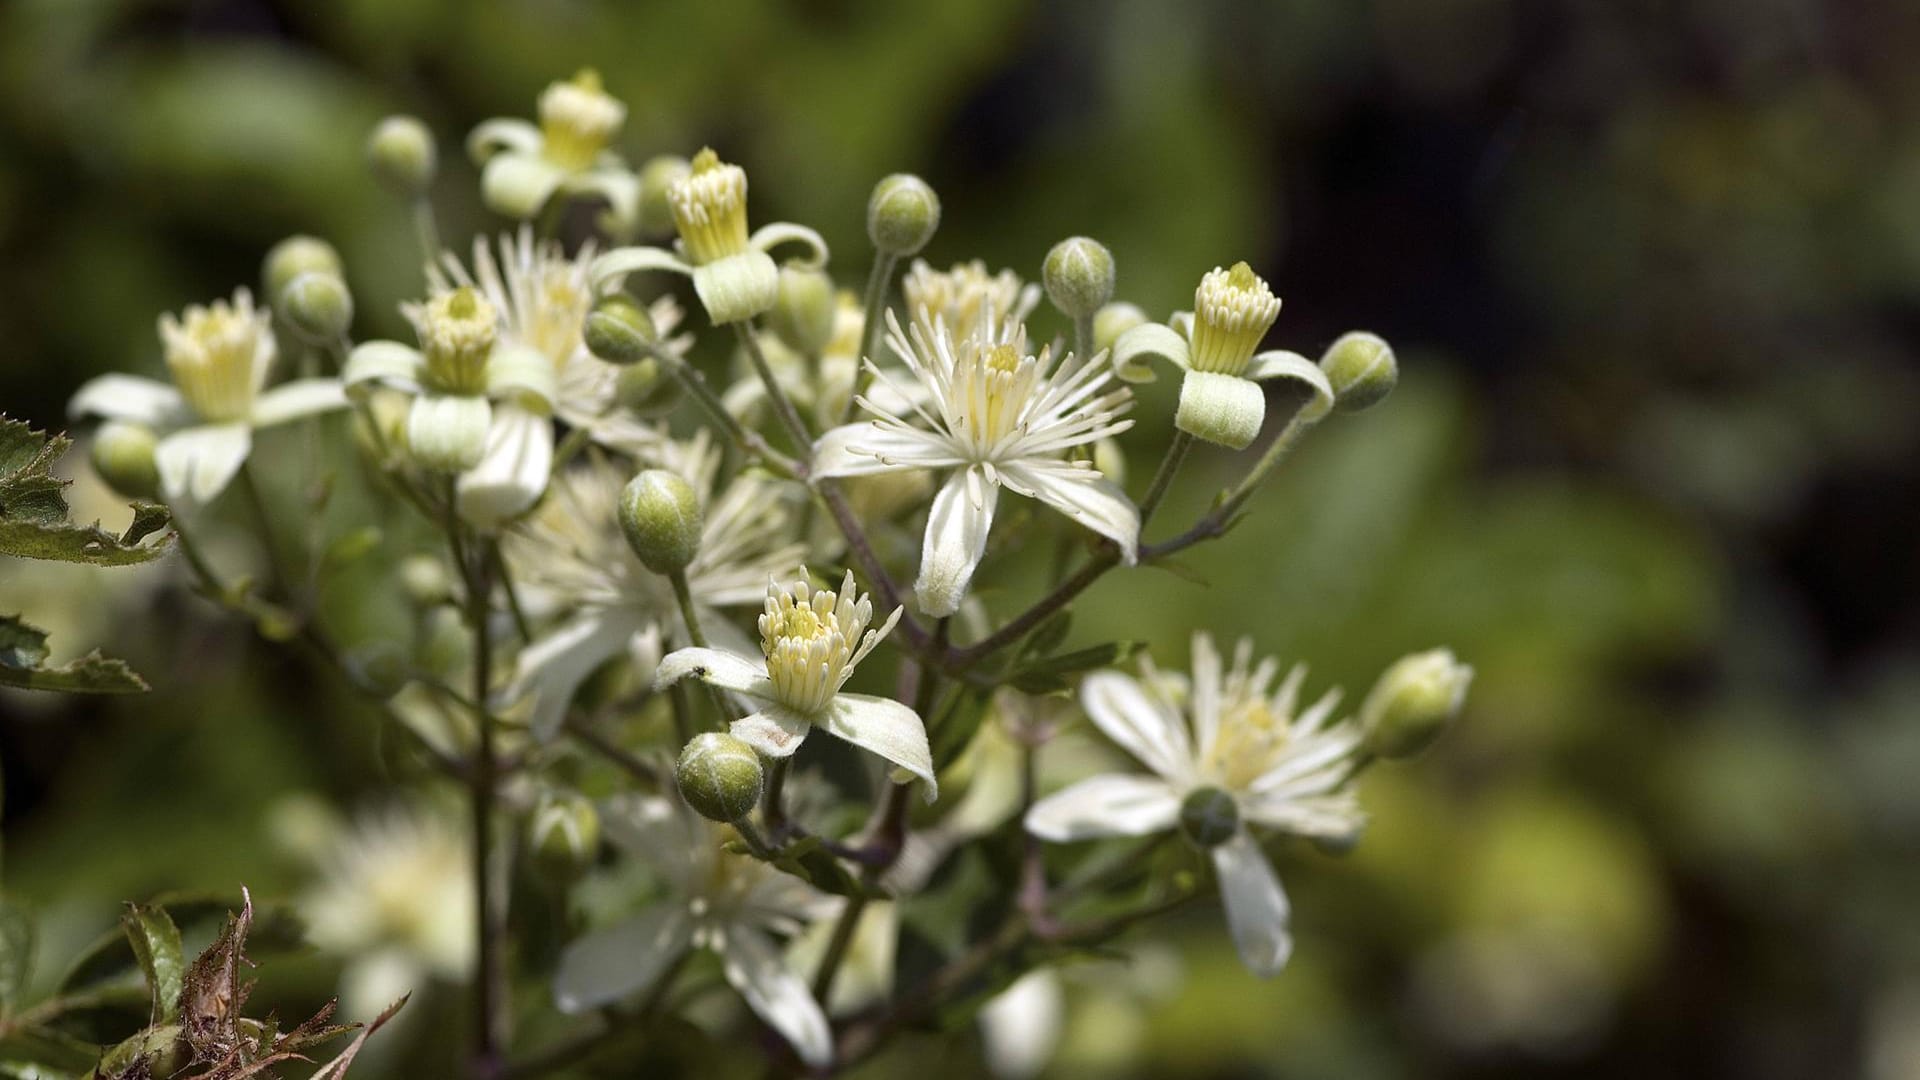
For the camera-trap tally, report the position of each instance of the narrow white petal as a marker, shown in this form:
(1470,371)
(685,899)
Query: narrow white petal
(726,670)
(1257,910)
(302,397)
(866,448)
(1117,804)
(197,464)
(1322,817)
(768,237)
(774,731)
(610,271)
(513,471)
(887,728)
(1084,494)
(1144,726)
(777,995)
(129,397)
(607,965)
(1206,692)
(551,668)
(517,184)
(956,541)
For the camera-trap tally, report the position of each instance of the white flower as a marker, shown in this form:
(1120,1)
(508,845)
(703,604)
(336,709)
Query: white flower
(732,272)
(219,357)
(811,640)
(571,557)
(965,295)
(1233,756)
(998,418)
(731,905)
(523,165)
(461,370)
(1220,397)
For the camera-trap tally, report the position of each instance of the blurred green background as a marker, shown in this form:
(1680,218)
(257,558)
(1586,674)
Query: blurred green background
(1654,274)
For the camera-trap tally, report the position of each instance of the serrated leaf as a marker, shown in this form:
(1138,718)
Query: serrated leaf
(148,518)
(23,657)
(156,945)
(34,522)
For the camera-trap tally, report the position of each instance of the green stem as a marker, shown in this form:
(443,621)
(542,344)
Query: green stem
(483,781)
(1303,421)
(1083,336)
(874,309)
(748,442)
(782,405)
(426,231)
(1163,477)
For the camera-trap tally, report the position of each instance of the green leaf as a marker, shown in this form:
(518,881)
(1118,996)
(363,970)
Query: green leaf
(350,547)
(148,518)
(34,521)
(16,952)
(1106,654)
(156,944)
(23,658)
(1048,635)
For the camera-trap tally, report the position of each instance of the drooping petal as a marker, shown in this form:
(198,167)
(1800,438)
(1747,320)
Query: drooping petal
(774,731)
(517,185)
(521,373)
(604,966)
(1257,909)
(1133,350)
(887,728)
(129,397)
(726,670)
(1225,410)
(1149,729)
(551,668)
(383,363)
(737,287)
(768,237)
(1117,804)
(1281,364)
(448,432)
(490,137)
(956,540)
(776,994)
(197,464)
(1084,494)
(302,397)
(512,473)
(609,271)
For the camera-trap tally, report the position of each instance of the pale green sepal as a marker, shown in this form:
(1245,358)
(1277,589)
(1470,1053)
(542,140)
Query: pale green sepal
(737,287)
(517,185)
(621,188)
(448,432)
(1226,410)
(382,363)
(768,237)
(493,136)
(1282,364)
(522,373)
(609,271)
(1134,349)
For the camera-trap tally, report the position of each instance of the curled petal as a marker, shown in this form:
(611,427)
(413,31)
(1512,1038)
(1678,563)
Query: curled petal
(302,397)
(1225,410)
(1257,909)
(197,464)
(517,185)
(774,731)
(887,728)
(513,470)
(956,541)
(737,287)
(448,432)
(1281,364)
(383,363)
(1151,341)
(521,373)
(768,237)
(609,271)
(492,136)
(1100,806)
(129,397)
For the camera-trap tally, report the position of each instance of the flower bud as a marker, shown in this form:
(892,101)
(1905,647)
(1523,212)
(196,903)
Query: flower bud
(1078,276)
(902,214)
(620,331)
(426,580)
(1362,370)
(1113,320)
(294,256)
(1413,702)
(804,313)
(317,305)
(122,454)
(563,832)
(719,776)
(648,388)
(402,156)
(1209,817)
(656,177)
(662,519)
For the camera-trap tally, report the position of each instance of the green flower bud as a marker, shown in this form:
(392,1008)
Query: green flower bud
(294,256)
(662,519)
(804,313)
(402,155)
(648,388)
(1113,320)
(1078,275)
(563,832)
(656,177)
(317,305)
(426,580)
(122,454)
(1209,817)
(719,776)
(902,214)
(1413,702)
(620,331)
(1362,370)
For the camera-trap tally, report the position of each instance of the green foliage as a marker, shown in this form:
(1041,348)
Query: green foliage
(23,664)
(34,522)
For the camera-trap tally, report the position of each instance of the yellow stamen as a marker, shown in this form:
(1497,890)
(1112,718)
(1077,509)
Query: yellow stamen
(577,120)
(1232,311)
(212,354)
(709,207)
(457,331)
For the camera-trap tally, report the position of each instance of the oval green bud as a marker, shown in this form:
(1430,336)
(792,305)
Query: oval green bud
(902,214)
(1413,702)
(122,454)
(402,155)
(1078,275)
(648,388)
(317,305)
(1362,370)
(563,832)
(1115,319)
(661,516)
(294,256)
(804,312)
(620,331)
(657,177)
(720,777)
(1209,817)
(425,580)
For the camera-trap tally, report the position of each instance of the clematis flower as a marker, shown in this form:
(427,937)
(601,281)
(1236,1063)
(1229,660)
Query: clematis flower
(961,295)
(219,357)
(522,166)
(1214,346)
(731,905)
(811,640)
(461,371)
(1232,756)
(733,273)
(999,417)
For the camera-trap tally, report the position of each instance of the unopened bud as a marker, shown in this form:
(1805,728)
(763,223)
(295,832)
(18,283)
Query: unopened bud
(803,315)
(1413,702)
(294,256)
(401,153)
(1209,817)
(720,777)
(656,177)
(620,331)
(563,833)
(902,214)
(426,580)
(662,518)
(1113,320)
(648,388)
(317,305)
(1362,370)
(1078,276)
(123,456)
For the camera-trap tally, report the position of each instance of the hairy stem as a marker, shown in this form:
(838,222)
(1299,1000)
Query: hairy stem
(782,405)
(1163,477)
(878,281)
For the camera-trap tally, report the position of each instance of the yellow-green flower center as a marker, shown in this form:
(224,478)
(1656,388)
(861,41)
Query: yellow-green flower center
(709,207)
(1232,310)
(812,640)
(960,295)
(577,120)
(457,332)
(991,387)
(1251,738)
(213,354)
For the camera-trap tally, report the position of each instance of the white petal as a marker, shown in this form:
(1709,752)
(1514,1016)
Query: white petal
(551,668)
(866,448)
(492,136)
(511,474)
(768,237)
(197,464)
(776,994)
(129,397)
(609,271)
(302,397)
(517,184)
(737,287)
(1205,697)
(1225,410)
(1084,494)
(887,728)
(607,965)
(956,541)
(448,432)
(523,373)
(725,670)
(383,363)
(1257,910)
(1118,804)
(774,731)
(1151,341)
(1021,1026)
(1149,729)
(1281,364)
(1322,817)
